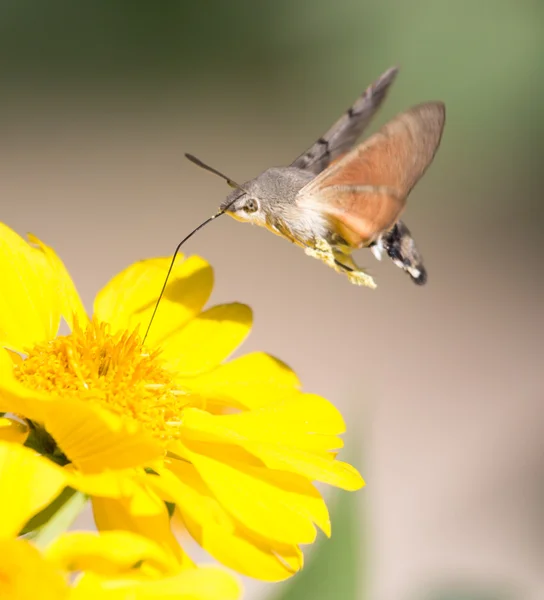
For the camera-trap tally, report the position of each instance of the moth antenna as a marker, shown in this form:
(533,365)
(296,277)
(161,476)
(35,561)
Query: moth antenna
(176,251)
(206,167)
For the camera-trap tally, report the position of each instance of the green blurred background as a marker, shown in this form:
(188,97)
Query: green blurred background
(441,385)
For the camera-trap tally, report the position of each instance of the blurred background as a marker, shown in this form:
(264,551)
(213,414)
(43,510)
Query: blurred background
(441,385)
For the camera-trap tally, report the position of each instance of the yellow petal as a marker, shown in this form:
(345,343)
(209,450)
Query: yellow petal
(245,553)
(308,464)
(112,553)
(33,482)
(280,440)
(279,506)
(29,307)
(305,421)
(64,288)
(251,381)
(204,583)
(13,431)
(107,484)
(219,533)
(25,574)
(95,439)
(284,436)
(145,514)
(128,300)
(209,339)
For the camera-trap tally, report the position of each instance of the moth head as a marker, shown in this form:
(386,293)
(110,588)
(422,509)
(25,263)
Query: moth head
(245,206)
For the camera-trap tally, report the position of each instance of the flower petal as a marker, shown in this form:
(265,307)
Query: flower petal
(143,513)
(29,307)
(33,482)
(304,421)
(308,464)
(251,381)
(70,302)
(107,484)
(95,439)
(204,583)
(26,575)
(277,505)
(111,553)
(13,431)
(218,532)
(128,300)
(298,449)
(208,339)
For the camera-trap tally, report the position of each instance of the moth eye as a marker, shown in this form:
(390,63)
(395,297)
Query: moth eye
(251,206)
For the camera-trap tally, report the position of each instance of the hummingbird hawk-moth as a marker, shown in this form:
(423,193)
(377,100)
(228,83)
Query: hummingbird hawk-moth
(336,197)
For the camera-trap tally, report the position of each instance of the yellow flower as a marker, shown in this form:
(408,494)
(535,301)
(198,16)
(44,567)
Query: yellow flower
(235,445)
(112,565)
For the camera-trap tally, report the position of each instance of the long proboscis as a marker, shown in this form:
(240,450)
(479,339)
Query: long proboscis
(168,273)
(232,184)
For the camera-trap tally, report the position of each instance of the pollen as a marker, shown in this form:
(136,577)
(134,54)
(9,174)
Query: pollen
(113,370)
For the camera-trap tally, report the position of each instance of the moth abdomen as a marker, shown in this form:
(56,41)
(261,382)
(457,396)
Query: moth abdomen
(400,246)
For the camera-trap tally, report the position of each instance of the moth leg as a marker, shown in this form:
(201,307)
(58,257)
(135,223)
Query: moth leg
(342,266)
(345,261)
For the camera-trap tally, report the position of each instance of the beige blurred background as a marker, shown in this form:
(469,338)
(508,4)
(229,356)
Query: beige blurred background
(442,385)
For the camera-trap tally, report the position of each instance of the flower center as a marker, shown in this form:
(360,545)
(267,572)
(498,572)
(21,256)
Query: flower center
(113,370)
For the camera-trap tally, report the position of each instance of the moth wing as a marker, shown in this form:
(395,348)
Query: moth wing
(364,192)
(344,133)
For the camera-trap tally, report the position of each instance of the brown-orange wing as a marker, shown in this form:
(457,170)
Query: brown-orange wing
(364,192)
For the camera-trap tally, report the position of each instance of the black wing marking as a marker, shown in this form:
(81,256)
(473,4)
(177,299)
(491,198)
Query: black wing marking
(344,133)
